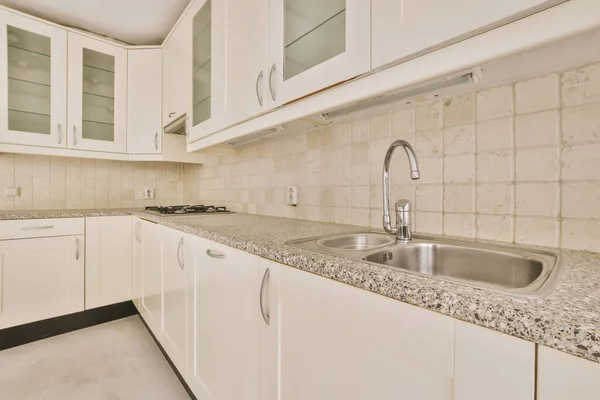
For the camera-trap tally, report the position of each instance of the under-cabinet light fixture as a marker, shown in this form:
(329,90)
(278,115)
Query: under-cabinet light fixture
(255,137)
(428,87)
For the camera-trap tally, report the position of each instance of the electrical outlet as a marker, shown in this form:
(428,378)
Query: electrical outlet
(12,191)
(292,195)
(148,194)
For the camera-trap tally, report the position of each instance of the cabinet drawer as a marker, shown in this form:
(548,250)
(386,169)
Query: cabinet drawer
(34,228)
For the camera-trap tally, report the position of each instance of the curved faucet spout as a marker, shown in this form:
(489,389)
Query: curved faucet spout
(403,223)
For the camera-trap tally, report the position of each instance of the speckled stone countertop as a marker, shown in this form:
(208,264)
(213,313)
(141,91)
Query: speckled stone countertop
(41,214)
(567,320)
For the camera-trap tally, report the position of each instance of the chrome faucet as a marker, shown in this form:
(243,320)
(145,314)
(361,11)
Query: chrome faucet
(403,229)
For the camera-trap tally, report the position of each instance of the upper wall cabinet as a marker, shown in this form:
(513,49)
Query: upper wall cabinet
(316,44)
(97,95)
(208,67)
(33,75)
(246,92)
(144,101)
(405,27)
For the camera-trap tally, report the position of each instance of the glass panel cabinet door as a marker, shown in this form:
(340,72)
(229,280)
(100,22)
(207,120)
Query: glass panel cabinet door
(97,95)
(316,44)
(33,82)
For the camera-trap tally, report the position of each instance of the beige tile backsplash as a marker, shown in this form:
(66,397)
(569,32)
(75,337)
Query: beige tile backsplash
(75,183)
(516,163)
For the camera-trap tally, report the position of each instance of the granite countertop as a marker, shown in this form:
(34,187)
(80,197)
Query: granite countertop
(567,320)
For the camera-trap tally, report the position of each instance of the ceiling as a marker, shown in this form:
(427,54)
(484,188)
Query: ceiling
(139,22)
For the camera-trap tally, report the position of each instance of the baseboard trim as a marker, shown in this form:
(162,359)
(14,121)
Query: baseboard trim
(173,367)
(34,331)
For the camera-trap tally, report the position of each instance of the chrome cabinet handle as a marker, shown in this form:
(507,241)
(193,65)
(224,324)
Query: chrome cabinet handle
(181,265)
(136,232)
(271,89)
(258,94)
(187,131)
(74,136)
(37,228)
(59,135)
(264,312)
(77,248)
(156,141)
(171,114)
(213,254)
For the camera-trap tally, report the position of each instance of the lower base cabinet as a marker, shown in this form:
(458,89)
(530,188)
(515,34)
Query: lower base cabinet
(151,277)
(562,376)
(40,278)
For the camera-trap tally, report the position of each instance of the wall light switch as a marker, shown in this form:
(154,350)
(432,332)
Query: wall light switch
(292,195)
(12,191)
(148,194)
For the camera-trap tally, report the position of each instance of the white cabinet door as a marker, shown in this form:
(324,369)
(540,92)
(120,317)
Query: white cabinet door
(177,61)
(97,106)
(562,376)
(144,101)
(208,67)
(405,27)
(173,335)
(491,365)
(33,82)
(268,330)
(108,261)
(151,290)
(40,279)
(340,342)
(247,58)
(136,261)
(316,44)
(224,316)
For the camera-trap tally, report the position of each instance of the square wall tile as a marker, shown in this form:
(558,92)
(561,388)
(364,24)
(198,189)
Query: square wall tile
(537,165)
(581,162)
(360,216)
(459,110)
(360,196)
(537,199)
(459,225)
(495,227)
(495,198)
(429,142)
(429,198)
(581,86)
(581,200)
(403,122)
(380,126)
(459,169)
(360,130)
(581,124)
(537,130)
(459,198)
(430,168)
(537,231)
(495,135)
(495,103)
(495,167)
(581,234)
(537,94)
(428,222)
(342,134)
(429,117)
(459,140)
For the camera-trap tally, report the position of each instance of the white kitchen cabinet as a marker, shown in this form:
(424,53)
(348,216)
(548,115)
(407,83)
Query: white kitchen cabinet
(224,317)
(40,278)
(316,44)
(268,329)
(405,27)
(492,365)
(33,82)
(108,272)
(340,342)
(97,95)
(151,290)
(136,261)
(144,101)
(173,332)
(207,113)
(247,58)
(562,376)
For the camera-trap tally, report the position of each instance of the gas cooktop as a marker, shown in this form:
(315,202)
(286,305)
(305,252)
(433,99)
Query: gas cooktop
(187,210)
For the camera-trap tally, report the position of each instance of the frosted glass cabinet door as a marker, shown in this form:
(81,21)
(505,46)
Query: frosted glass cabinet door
(97,95)
(33,84)
(316,44)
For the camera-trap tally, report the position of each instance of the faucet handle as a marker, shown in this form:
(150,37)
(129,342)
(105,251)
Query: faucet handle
(403,205)
(403,220)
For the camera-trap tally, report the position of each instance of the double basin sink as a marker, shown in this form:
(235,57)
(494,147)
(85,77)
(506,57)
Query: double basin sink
(505,269)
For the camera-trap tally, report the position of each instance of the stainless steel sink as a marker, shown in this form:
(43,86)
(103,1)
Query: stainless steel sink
(506,269)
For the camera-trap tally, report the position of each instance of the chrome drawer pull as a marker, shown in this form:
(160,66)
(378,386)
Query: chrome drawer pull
(213,254)
(37,228)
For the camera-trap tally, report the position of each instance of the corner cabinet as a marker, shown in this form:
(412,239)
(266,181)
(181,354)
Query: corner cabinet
(33,74)
(97,93)
(316,44)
